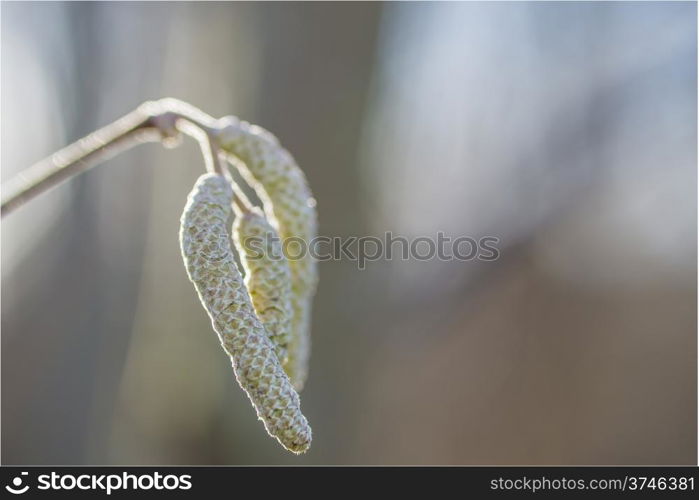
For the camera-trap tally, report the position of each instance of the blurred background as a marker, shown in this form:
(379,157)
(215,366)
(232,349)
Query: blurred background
(566,130)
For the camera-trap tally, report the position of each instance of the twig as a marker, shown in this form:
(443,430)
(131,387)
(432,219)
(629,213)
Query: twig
(241,203)
(153,121)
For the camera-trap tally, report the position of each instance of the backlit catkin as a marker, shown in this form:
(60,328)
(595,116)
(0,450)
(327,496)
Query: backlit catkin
(267,276)
(290,207)
(207,255)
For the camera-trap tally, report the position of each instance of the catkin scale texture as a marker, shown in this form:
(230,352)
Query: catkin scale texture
(208,258)
(267,276)
(289,205)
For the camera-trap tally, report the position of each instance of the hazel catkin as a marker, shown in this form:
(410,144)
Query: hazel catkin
(267,276)
(208,258)
(289,205)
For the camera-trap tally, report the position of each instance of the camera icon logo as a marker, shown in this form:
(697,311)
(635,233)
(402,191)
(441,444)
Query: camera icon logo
(16,487)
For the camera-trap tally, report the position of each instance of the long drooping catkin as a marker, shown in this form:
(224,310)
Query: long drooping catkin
(207,254)
(289,206)
(267,276)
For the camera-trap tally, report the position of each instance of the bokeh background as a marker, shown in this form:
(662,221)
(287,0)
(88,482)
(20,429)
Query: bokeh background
(566,130)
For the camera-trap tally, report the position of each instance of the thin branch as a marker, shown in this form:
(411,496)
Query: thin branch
(209,149)
(241,203)
(153,121)
(127,132)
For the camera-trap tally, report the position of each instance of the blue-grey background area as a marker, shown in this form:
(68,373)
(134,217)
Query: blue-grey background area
(567,130)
